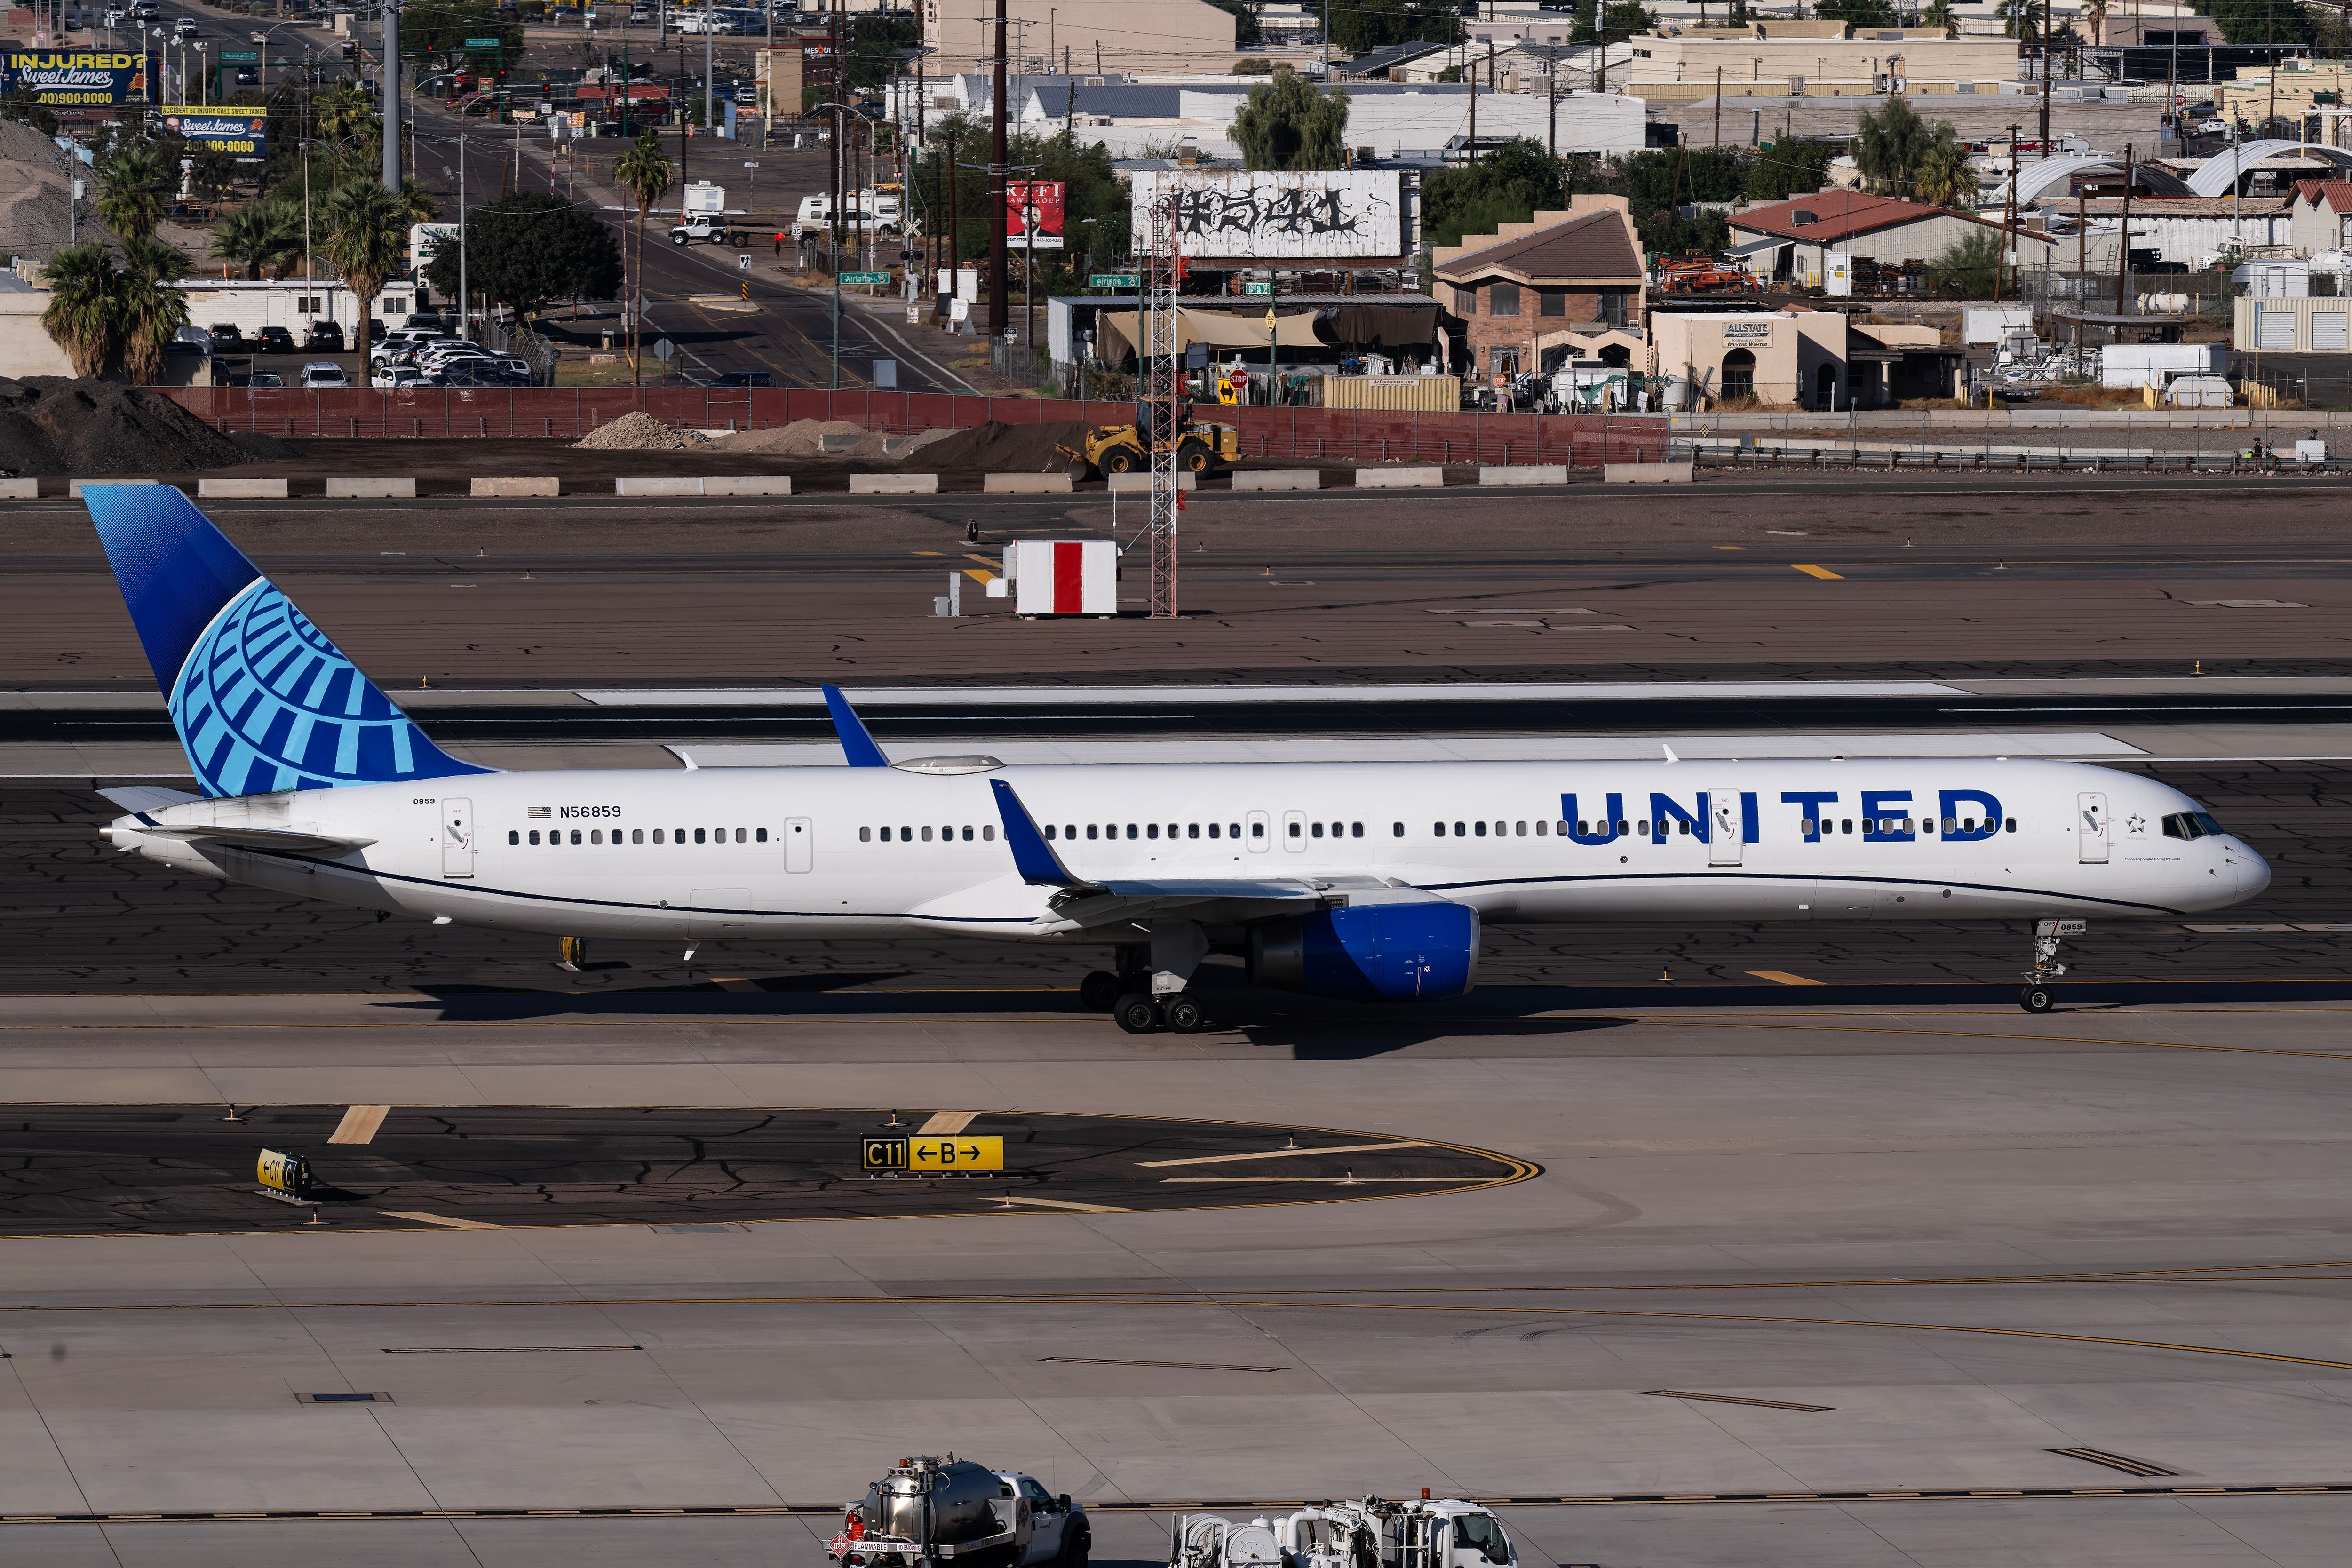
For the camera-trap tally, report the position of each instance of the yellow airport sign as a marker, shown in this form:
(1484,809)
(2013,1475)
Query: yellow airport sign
(932,1156)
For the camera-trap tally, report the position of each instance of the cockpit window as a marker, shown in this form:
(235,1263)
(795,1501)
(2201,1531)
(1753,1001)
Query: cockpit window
(2191,825)
(1484,1533)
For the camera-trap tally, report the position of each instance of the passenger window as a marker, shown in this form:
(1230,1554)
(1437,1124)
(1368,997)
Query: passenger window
(866,834)
(1396,830)
(2010,827)
(1090,830)
(1049,833)
(1620,828)
(761,835)
(1583,828)
(657,835)
(1130,830)
(595,835)
(1541,827)
(1293,830)
(514,838)
(739,835)
(1213,830)
(1644,827)
(967,834)
(1481,829)
(1440,828)
(1257,830)
(1151,830)
(988,832)
(678,836)
(575,836)
(927,833)
(1355,830)
(1846,825)
(1317,831)
(1457,830)
(1234,830)
(698,836)
(1519,831)
(637,835)
(1193,831)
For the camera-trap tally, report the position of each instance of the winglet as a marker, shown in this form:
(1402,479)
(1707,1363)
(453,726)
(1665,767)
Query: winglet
(855,743)
(1671,758)
(1032,855)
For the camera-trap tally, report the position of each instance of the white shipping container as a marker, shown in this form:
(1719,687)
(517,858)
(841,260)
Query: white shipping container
(1063,576)
(1994,324)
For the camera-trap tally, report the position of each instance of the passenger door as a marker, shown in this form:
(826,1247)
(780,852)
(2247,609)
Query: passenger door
(457,838)
(1723,827)
(1257,832)
(2091,827)
(800,843)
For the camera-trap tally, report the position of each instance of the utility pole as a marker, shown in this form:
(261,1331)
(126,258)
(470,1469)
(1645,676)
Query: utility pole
(391,98)
(997,302)
(1718,106)
(2123,239)
(2045,77)
(2008,219)
(1470,150)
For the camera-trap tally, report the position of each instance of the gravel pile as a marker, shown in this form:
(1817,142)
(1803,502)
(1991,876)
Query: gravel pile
(998,448)
(638,431)
(58,426)
(804,439)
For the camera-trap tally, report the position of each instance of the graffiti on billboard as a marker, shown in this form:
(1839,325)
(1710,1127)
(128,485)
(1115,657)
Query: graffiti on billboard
(1273,215)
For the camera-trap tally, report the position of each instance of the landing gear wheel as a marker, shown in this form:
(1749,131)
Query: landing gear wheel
(1184,1014)
(2036,998)
(1099,992)
(1136,1013)
(572,952)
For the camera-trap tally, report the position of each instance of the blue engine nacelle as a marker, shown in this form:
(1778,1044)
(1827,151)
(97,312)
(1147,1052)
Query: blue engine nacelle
(1380,953)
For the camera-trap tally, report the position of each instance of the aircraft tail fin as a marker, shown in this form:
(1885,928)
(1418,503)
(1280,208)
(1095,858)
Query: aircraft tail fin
(262,701)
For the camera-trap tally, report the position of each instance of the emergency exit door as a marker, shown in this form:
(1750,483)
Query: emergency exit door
(457,838)
(1723,827)
(2091,827)
(799,848)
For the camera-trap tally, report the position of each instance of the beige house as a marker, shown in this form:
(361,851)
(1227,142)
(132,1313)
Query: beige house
(1149,36)
(2318,216)
(1795,359)
(1817,59)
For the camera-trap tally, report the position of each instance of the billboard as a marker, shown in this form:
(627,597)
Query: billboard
(425,241)
(239,132)
(1270,214)
(59,77)
(1042,199)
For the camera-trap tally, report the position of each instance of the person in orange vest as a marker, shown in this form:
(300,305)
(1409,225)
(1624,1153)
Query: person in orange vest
(779,246)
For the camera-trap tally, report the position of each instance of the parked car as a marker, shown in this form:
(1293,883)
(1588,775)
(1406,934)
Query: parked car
(248,76)
(186,27)
(227,338)
(275,341)
(264,378)
(324,376)
(515,365)
(397,378)
(325,336)
(402,344)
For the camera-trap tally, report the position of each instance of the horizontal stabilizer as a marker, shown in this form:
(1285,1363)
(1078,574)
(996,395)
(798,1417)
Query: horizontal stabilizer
(147,797)
(275,839)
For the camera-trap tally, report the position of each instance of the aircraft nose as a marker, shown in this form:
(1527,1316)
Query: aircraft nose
(2254,872)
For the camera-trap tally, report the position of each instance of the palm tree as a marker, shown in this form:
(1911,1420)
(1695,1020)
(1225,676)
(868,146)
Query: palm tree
(133,188)
(81,318)
(646,170)
(364,238)
(2095,17)
(2020,18)
(260,234)
(148,312)
(1890,146)
(1938,15)
(1943,178)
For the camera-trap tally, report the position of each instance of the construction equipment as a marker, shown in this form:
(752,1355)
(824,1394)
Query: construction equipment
(1704,275)
(1370,1532)
(1118,450)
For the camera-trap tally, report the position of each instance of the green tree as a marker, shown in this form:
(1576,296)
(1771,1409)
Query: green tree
(258,235)
(1619,21)
(1289,123)
(1889,147)
(213,172)
(1971,266)
(134,189)
(874,45)
(1943,178)
(2260,21)
(80,318)
(525,251)
(1358,29)
(2022,18)
(1794,166)
(148,312)
(362,232)
(647,172)
(1860,14)
(1509,185)
(25,106)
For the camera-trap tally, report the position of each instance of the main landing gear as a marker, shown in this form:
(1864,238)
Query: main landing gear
(1147,993)
(2036,995)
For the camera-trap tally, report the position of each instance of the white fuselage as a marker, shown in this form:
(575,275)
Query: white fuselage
(751,853)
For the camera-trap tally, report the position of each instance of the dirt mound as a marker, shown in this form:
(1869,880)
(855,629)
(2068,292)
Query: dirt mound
(56,424)
(638,431)
(998,448)
(806,438)
(262,446)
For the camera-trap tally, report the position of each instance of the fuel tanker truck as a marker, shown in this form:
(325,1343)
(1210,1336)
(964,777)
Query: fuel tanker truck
(929,1511)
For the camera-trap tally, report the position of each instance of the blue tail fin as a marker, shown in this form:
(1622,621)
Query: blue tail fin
(262,701)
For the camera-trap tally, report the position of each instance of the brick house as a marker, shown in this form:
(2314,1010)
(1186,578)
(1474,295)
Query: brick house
(1565,278)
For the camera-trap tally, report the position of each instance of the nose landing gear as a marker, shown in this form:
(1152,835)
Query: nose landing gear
(2036,997)
(571,953)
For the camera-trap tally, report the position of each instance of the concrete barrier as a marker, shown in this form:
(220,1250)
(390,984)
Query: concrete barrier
(1121,484)
(1646,474)
(1278,479)
(1025,484)
(894,484)
(74,486)
(658,484)
(1526,474)
(241,489)
(1400,479)
(515,487)
(747,485)
(20,490)
(372,489)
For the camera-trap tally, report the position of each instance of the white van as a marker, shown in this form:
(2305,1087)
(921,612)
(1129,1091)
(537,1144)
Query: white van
(324,376)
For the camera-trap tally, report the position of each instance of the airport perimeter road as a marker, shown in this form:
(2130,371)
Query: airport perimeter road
(2074,1277)
(1736,582)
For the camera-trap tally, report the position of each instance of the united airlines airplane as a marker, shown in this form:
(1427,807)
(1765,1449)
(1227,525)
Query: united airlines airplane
(1365,880)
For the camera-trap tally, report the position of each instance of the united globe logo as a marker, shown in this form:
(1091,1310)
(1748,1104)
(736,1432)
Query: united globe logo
(266,702)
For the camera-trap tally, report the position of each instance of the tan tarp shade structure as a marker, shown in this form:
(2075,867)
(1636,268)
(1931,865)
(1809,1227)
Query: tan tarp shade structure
(1385,326)
(1120,332)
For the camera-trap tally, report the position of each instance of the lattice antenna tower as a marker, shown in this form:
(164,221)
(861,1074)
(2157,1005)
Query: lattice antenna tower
(1160,385)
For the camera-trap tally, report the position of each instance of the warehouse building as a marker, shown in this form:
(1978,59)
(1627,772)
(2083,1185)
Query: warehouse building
(1794,241)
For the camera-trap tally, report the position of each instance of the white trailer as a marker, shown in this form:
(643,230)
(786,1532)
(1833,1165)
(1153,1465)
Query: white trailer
(1371,1532)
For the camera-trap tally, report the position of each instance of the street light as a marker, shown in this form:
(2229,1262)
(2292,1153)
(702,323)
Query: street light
(840,130)
(204,73)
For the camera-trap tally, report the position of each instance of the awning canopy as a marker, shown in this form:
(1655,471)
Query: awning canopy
(1121,330)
